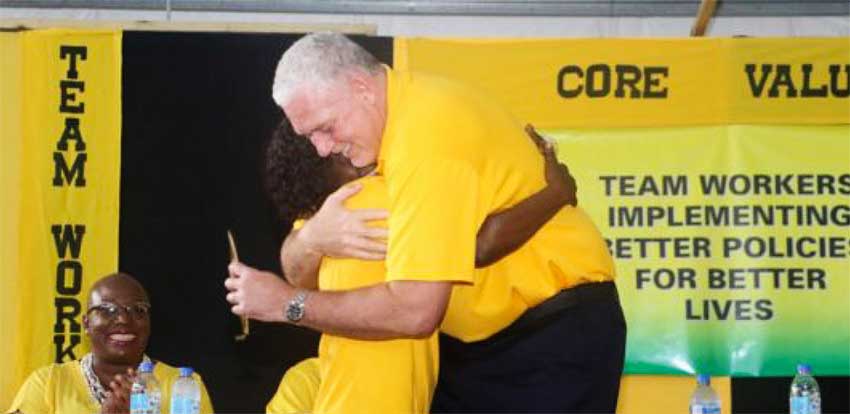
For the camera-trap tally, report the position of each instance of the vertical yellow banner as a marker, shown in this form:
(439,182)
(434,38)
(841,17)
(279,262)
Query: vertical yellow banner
(66,194)
(11,75)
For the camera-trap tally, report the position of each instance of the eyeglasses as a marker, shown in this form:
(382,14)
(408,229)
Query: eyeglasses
(109,310)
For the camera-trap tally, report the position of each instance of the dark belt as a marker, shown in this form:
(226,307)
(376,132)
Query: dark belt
(533,319)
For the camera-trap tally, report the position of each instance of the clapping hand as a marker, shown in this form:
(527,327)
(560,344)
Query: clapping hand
(117,399)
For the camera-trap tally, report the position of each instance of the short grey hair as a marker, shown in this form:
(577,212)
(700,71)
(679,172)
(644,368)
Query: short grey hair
(317,59)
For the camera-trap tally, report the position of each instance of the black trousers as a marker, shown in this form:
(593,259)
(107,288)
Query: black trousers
(563,356)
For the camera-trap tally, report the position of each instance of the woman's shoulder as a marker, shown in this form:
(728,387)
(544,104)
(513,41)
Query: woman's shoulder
(373,193)
(58,369)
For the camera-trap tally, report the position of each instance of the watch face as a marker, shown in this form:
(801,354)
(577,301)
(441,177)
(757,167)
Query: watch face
(295,311)
(295,308)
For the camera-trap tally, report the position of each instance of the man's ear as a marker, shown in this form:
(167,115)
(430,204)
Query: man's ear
(86,323)
(362,86)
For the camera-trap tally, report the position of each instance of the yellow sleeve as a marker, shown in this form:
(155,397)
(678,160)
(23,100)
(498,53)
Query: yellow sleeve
(434,219)
(297,391)
(206,403)
(33,396)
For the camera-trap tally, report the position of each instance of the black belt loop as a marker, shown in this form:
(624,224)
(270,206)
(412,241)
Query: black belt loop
(531,320)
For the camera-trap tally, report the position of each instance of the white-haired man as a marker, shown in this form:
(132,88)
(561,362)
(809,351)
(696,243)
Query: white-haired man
(540,330)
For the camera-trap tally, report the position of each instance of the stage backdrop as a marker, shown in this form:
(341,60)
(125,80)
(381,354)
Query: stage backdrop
(719,172)
(717,169)
(60,163)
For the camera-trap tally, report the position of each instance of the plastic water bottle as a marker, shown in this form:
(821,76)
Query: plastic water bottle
(704,400)
(145,394)
(186,394)
(805,394)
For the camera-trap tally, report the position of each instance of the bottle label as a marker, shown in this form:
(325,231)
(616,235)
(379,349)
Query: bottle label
(800,405)
(177,405)
(705,409)
(184,405)
(139,403)
(154,403)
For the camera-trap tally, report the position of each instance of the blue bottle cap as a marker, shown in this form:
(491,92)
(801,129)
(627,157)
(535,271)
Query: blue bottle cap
(186,371)
(146,366)
(804,369)
(703,379)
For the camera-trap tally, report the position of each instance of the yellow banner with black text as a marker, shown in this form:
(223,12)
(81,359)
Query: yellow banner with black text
(649,82)
(61,109)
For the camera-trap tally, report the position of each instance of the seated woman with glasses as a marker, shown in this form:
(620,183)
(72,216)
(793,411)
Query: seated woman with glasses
(118,324)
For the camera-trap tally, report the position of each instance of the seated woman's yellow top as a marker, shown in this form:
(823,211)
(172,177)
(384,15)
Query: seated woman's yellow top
(62,389)
(297,391)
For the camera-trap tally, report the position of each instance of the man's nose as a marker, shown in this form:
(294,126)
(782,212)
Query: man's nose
(123,315)
(323,144)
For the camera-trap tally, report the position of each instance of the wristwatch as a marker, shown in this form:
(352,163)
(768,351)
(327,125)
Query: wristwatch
(295,309)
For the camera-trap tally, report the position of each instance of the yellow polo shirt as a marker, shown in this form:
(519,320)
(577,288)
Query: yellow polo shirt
(451,157)
(392,376)
(62,389)
(296,393)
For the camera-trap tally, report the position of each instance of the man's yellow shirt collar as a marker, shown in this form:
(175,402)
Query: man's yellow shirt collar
(394,80)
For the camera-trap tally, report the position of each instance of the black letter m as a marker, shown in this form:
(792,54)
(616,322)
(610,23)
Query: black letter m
(61,169)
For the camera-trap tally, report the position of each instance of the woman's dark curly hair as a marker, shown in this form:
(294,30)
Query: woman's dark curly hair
(296,178)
